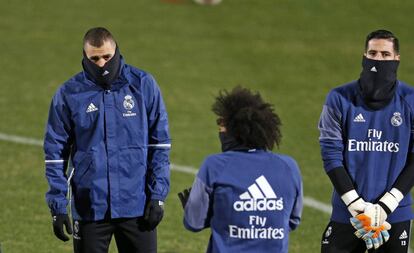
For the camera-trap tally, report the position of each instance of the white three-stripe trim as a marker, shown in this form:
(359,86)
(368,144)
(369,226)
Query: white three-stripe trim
(259,190)
(55,161)
(160,145)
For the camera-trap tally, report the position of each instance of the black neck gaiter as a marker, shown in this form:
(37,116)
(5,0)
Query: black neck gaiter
(230,143)
(106,75)
(378,82)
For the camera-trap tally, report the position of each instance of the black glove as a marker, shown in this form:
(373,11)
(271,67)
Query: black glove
(183,196)
(154,213)
(58,221)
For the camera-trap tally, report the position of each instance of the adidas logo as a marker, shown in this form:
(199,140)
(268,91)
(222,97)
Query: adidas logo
(107,72)
(255,192)
(403,235)
(359,118)
(259,197)
(91,108)
(373,69)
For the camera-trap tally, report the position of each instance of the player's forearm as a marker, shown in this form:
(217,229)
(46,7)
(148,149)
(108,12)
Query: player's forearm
(58,188)
(344,186)
(341,180)
(158,180)
(56,163)
(196,213)
(158,152)
(296,214)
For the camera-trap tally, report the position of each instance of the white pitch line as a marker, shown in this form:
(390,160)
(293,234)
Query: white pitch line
(316,204)
(20,140)
(185,169)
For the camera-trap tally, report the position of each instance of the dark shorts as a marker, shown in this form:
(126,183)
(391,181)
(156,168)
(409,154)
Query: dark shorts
(130,236)
(340,238)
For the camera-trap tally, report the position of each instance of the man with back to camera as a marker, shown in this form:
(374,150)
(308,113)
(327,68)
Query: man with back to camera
(250,197)
(110,121)
(366,137)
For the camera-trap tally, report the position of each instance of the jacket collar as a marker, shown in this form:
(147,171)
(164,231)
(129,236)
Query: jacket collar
(123,78)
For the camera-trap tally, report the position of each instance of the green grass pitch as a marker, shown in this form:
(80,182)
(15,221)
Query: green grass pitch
(293,52)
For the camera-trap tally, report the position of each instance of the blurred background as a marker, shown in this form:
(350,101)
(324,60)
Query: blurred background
(292,52)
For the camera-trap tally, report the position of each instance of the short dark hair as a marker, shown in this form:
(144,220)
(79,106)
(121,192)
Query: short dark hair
(97,36)
(247,118)
(383,34)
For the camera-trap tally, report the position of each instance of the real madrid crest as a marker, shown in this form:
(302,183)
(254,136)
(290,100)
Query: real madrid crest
(128,105)
(396,120)
(128,102)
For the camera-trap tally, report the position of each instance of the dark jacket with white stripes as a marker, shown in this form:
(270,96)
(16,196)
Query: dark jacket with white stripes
(117,141)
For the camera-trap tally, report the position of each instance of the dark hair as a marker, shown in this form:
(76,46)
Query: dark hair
(96,36)
(247,118)
(383,34)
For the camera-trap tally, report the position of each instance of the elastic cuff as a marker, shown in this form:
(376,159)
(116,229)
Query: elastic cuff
(385,207)
(390,201)
(397,194)
(349,197)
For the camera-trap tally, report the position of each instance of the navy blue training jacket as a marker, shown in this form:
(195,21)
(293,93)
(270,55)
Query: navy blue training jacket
(250,200)
(117,141)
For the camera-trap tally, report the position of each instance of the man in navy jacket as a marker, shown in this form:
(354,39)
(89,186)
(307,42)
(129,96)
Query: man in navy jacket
(108,121)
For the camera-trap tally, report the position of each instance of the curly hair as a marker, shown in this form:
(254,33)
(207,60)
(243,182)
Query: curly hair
(247,118)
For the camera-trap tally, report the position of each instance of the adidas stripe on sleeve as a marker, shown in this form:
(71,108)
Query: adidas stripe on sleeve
(331,135)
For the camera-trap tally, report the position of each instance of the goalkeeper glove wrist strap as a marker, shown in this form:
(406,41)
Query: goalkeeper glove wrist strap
(390,201)
(350,197)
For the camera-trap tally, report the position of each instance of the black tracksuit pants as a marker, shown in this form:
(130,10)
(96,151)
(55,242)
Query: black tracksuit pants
(130,236)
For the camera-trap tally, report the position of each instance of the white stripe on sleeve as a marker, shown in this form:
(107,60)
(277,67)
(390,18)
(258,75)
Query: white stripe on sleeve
(167,145)
(55,161)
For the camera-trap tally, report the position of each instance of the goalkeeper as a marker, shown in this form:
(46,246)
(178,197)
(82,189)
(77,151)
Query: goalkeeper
(366,137)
